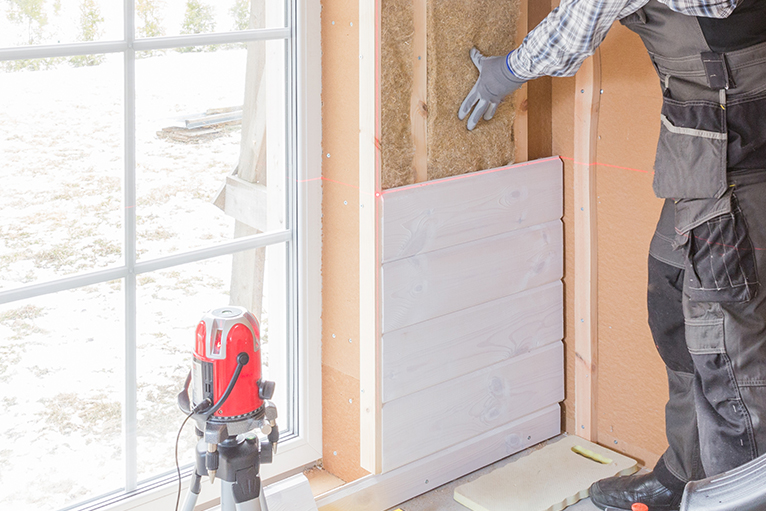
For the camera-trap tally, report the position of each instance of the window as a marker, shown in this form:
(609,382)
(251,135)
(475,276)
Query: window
(158,158)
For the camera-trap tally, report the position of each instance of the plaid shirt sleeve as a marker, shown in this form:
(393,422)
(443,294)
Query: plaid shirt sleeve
(573,31)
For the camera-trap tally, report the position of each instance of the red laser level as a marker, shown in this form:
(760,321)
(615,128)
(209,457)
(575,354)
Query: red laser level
(229,401)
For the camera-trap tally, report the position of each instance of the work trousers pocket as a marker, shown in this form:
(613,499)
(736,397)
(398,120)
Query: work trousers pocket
(720,257)
(724,423)
(691,151)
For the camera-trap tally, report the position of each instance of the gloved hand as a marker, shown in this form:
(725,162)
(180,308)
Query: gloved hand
(495,82)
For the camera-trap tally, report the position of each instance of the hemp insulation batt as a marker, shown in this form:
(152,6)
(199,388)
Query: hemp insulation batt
(453,28)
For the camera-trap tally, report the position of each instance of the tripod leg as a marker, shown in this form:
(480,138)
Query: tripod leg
(227,496)
(194,489)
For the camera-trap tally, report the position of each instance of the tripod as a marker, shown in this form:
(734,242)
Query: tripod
(236,461)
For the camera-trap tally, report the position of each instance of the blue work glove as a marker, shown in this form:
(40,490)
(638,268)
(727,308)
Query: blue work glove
(495,82)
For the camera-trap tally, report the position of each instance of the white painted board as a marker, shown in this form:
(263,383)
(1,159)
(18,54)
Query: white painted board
(450,211)
(428,353)
(291,494)
(382,491)
(433,419)
(422,287)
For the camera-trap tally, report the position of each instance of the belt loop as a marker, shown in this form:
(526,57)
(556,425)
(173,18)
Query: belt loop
(715,69)
(667,81)
(722,98)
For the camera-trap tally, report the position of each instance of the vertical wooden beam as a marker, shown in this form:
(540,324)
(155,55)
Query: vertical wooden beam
(419,101)
(587,97)
(369,241)
(520,99)
(246,288)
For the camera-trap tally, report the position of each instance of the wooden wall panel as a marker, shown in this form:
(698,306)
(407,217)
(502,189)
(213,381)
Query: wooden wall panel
(428,421)
(383,491)
(446,347)
(426,286)
(458,210)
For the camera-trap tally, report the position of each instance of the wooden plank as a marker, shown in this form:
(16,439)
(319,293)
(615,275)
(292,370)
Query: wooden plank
(418,219)
(419,100)
(369,252)
(520,98)
(423,287)
(433,419)
(587,98)
(246,202)
(376,492)
(446,347)
(553,477)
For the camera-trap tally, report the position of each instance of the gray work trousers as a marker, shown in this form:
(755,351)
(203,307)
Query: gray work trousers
(707,314)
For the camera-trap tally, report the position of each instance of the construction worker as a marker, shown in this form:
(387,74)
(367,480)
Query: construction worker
(707,314)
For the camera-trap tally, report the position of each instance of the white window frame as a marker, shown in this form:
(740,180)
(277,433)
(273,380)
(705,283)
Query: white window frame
(303,41)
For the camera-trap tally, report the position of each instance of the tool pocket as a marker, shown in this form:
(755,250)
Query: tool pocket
(691,152)
(720,258)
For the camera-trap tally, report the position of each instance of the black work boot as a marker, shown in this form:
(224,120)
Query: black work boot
(622,492)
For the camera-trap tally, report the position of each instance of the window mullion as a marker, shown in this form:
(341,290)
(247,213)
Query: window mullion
(130,424)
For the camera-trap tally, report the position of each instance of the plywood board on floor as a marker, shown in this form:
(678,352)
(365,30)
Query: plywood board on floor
(547,480)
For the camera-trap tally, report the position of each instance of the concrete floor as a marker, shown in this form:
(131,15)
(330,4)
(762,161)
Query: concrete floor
(440,499)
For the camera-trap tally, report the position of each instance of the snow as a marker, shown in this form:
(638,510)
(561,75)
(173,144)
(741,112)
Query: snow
(62,356)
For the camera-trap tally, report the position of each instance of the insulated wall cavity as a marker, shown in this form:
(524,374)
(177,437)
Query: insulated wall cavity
(418,111)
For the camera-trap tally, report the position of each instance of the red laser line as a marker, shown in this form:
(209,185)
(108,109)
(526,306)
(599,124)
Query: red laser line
(710,242)
(598,164)
(463,176)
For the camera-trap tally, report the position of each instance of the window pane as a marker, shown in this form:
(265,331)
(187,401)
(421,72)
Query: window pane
(30,22)
(62,367)
(61,148)
(155,18)
(196,124)
(170,304)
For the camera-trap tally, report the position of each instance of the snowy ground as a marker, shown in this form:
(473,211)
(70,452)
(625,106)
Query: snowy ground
(61,213)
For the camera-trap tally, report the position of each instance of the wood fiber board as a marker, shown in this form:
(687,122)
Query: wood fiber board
(433,419)
(453,28)
(425,286)
(382,491)
(418,219)
(340,431)
(549,479)
(431,352)
(340,235)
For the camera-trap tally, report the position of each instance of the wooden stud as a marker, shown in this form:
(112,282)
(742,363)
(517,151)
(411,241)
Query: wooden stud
(521,104)
(419,102)
(587,98)
(369,243)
